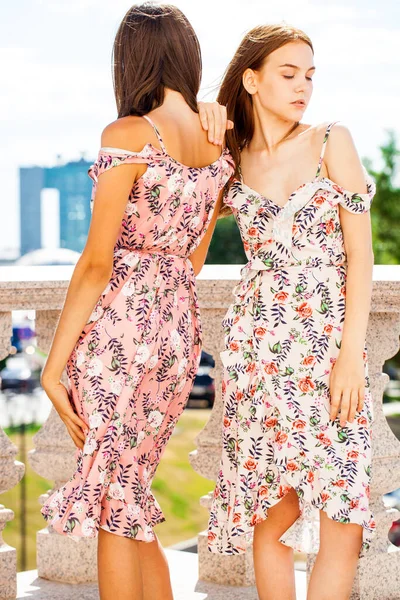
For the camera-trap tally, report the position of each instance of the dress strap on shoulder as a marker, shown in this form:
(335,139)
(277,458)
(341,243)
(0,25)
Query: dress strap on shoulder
(156,132)
(321,156)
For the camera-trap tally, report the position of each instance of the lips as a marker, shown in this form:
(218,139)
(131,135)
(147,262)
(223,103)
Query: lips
(299,103)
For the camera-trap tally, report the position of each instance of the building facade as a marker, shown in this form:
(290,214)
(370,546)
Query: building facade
(74,187)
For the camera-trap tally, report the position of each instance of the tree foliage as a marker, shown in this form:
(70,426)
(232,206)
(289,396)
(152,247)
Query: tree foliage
(385,211)
(226,245)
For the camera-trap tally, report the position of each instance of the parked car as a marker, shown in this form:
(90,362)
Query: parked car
(392,500)
(394,533)
(18,376)
(203,387)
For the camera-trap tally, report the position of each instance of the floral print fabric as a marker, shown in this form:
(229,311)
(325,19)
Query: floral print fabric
(282,336)
(132,368)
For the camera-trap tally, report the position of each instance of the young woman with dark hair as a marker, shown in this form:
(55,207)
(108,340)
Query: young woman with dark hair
(296,459)
(129,333)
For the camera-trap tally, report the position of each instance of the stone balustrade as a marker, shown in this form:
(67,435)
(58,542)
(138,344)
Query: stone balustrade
(60,559)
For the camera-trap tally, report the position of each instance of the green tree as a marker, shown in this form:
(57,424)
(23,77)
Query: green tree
(385,211)
(226,245)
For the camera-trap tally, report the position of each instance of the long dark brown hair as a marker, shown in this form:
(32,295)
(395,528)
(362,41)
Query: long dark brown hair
(155,47)
(255,47)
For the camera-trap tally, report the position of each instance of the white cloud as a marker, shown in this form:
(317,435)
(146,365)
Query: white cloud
(351,47)
(72,7)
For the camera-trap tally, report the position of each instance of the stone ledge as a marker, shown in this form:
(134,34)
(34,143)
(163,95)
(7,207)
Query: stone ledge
(184,575)
(44,288)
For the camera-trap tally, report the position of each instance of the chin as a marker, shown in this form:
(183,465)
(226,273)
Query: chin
(298,112)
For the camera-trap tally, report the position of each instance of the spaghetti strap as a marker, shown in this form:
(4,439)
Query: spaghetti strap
(163,148)
(321,157)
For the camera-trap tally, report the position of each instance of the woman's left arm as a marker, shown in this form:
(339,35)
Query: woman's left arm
(91,275)
(348,377)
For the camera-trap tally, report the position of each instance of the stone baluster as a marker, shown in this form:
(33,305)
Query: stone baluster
(378,573)
(11,472)
(214,298)
(59,558)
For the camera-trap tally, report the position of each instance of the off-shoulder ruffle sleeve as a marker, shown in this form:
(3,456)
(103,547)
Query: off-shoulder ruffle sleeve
(109,157)
(228,167)
(355,202)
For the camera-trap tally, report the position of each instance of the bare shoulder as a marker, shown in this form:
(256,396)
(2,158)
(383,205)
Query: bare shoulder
(340,137)
(340,144)
(128,133)
(342,159)
(314,135)
(318,132)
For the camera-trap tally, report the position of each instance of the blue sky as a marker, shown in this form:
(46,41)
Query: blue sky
(57,92)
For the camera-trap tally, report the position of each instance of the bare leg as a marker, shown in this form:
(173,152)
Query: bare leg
(155,572)
(118,567)
(336,561)
(273,561)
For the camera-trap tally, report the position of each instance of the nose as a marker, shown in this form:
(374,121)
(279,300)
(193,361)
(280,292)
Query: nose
(300,86)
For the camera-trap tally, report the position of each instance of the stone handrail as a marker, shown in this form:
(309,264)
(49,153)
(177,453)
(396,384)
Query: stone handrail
(43,289)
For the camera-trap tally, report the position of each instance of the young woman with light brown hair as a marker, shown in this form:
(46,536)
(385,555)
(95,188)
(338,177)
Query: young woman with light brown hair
(296,458)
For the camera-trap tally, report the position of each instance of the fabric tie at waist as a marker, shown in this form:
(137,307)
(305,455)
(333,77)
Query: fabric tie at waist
(256,266)
(126,250)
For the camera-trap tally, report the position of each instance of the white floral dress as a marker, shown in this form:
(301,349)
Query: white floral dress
(282,336)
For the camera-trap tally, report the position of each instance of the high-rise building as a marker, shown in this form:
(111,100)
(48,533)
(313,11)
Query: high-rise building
(73,186)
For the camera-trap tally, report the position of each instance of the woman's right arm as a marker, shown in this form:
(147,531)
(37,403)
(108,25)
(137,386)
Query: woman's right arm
(198,257)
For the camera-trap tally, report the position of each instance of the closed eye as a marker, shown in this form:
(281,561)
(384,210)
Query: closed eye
(292,76)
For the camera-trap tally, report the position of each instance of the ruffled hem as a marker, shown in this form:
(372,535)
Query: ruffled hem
(302,535)
(241,499)
(76,519)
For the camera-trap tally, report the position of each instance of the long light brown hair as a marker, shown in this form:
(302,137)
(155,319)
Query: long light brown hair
(155,47)
(255,47)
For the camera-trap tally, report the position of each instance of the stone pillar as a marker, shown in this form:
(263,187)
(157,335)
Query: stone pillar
(11,472)
(378,573)
(59,558)
(215,297)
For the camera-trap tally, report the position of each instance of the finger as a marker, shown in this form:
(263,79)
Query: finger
(229,124)
(78,443)
(335,403)
(361,398)
(203,116)
(211,126)
(220,127)
(217,122)
(78,431)
(344,407)
(78,421)
(353,404)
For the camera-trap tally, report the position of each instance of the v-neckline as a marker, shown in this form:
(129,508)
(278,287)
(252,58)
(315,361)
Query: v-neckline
(316,178)
(282,206)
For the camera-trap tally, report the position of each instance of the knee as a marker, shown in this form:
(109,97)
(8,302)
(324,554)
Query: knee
(280,516)
(286,510)
(346,538)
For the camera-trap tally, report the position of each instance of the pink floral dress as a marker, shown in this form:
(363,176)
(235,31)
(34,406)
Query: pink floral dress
(132,368)
(282,336)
